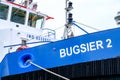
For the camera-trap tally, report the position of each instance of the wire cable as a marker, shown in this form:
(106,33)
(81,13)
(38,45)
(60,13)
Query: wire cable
(87,26)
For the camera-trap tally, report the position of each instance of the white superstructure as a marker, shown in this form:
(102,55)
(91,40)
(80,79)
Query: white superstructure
(18,23)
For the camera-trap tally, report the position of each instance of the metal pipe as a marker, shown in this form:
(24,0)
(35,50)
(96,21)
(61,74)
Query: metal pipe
(80,28)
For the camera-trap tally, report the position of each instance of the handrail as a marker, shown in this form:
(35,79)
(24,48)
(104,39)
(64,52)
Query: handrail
(50,31)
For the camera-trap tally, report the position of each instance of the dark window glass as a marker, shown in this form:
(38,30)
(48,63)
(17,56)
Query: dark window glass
(18,16)
(3,11)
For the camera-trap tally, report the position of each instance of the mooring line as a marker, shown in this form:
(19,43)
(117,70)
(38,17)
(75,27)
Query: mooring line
(38,66)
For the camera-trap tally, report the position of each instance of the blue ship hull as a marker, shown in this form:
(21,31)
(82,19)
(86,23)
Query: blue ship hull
(90,47)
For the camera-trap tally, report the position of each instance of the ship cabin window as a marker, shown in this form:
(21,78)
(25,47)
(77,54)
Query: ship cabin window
(18,15)
(3,11)
(35,20)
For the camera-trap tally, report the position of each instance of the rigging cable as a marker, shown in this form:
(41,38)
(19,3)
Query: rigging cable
(87,26)
(80,28)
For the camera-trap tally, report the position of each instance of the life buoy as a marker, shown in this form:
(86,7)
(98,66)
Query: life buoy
(21,48)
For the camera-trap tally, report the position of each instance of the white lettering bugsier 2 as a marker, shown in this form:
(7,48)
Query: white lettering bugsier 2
(87,47)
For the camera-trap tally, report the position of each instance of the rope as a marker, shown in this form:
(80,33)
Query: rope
(48,70)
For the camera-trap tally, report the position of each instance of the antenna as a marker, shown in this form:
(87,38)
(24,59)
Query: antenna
(68,33)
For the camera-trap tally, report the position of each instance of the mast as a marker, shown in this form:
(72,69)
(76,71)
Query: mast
(68,33)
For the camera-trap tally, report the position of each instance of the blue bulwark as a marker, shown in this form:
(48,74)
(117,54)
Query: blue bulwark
(89,47)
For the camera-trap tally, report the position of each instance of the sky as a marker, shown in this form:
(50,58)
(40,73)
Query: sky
(98,14)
